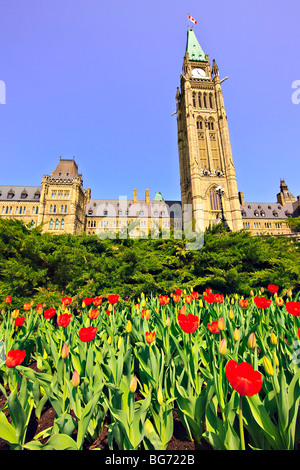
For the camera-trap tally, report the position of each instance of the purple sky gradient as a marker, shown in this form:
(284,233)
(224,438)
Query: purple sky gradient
(97,80)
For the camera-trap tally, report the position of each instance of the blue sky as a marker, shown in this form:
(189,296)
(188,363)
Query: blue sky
(97,80)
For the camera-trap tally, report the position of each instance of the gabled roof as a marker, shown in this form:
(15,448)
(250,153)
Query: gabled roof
(193,47)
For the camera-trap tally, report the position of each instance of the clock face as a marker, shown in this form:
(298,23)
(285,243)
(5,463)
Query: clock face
(199,73)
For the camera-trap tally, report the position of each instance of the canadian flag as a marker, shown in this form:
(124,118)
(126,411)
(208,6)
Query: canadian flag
(192,19)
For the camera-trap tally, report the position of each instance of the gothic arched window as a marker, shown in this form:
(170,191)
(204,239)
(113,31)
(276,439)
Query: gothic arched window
(51,225)
(215,200)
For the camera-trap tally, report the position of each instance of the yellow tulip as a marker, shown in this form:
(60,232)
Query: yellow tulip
(129,327)
(268,366)
(133,384)
(273,339)
(223,347)
(236,335)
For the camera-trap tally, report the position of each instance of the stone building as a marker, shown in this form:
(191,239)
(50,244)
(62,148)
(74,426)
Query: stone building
(209,191)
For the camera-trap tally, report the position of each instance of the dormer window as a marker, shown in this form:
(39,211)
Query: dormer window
(10,194)
(36,195)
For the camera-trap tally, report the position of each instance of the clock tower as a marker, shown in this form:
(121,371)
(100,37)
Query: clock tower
(207,173)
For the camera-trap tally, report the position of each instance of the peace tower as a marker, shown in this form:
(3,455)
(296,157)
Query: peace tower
(207,173)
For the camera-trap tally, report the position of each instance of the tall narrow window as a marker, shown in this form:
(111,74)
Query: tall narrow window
(215,200)
(205,100)
(51,225)
(62,224)
(211,101)
(194,100)
(203,156)
(200,100)
(56,224)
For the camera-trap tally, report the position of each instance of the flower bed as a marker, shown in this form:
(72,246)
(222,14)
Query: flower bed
(185,371)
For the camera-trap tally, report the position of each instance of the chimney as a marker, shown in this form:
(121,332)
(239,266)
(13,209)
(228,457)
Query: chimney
(147,196)
(134,195)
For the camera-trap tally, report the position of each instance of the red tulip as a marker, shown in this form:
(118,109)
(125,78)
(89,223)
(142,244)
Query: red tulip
(188,323)
(163,299)
(150,336)
(145,314)
(209,298)
(243,378)
(207,291)
(178,292)
(64,319)
(194,295)
(219,298)
(244,303)
(97,301)
(272,288)
(213,327)
(8,299)
(113,299)
(176,298)
(88,301)
(49,313)
(15,358)
(66,301)
(262,302)
(293,308)
(19,321)
(87,334)
(93,313)
(27,306)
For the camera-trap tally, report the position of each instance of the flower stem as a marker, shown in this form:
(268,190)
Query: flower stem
(241,423)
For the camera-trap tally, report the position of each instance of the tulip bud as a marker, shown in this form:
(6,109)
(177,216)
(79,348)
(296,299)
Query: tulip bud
(75,379)
(232,301)
(149,428)
(275,359)
(129,327)
(65,351)
(231,314)
(110,308)
(45,355)
(143,303)
(289,293)
(15,313)
(221,324)
(133,384)
(200,303)
(268,366)
(109,340)
(236,335)
(251,341)
(279,301)
(120,342)
(263,289)
(273,339)
(252,293)
(223,347)
(160,397)
(168,321)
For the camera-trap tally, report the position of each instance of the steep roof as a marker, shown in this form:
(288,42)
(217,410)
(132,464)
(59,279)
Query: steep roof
(66,169)
(16,192)
(193,47)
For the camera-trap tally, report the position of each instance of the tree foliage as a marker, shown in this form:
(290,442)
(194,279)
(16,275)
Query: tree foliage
(42,266)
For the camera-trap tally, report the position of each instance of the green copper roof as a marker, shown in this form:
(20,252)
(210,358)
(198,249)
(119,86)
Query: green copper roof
(158,197)
(193,47)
